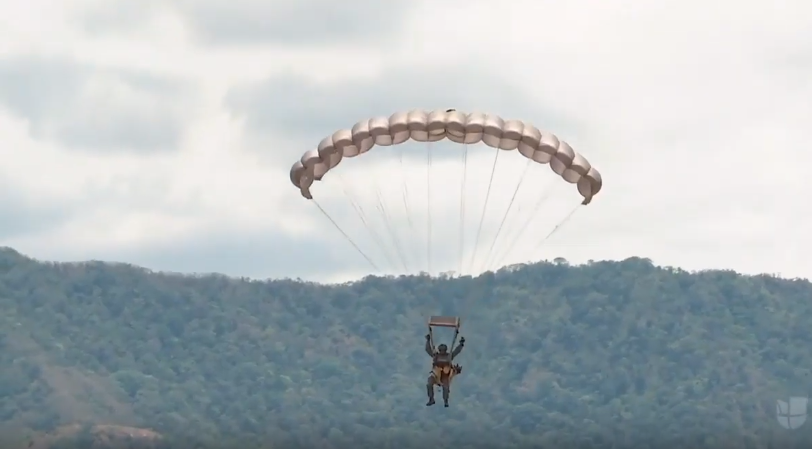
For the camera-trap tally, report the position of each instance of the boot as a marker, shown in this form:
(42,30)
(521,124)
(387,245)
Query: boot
(430,392)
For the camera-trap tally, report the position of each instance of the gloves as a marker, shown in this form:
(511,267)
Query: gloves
(462,341)
(428,337)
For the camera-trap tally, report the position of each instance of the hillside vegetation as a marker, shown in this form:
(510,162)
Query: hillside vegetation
(608,354)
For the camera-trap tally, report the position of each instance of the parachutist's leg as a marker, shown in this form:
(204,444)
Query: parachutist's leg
(430,390)
(446,391)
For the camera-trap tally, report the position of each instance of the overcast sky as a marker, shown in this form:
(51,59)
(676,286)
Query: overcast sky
(161,133)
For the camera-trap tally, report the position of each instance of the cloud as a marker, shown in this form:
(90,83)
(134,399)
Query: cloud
(254,254)
(696,113)
(21,214)
(90,108)
(240,22)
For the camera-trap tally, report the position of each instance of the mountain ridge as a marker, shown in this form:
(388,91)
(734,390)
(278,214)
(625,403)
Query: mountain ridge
(594,355)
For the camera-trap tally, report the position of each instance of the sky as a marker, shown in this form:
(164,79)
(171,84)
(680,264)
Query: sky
(161,133)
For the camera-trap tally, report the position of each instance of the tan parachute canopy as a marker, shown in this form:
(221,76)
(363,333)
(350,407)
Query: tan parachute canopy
(456,126)
(390,235)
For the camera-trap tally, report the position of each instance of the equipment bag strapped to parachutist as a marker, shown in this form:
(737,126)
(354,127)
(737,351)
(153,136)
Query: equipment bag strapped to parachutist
(444,321)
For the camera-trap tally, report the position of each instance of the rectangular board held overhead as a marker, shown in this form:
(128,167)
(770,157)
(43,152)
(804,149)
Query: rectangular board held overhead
(444,321)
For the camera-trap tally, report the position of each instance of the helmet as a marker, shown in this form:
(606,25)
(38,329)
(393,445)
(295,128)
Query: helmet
(442,348)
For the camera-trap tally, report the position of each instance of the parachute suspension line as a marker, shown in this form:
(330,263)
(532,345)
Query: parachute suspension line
(428,205)
(462,205)
(365,220)
(484,208)
(346,236)
(485,266)
(557,227)
(536,208)
(405,196)
(387,222)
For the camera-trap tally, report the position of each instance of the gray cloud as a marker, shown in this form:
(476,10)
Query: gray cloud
(117,17)
(301,23)
(77,105)
(19,216)
(237,253)
(306,111)
(25,215)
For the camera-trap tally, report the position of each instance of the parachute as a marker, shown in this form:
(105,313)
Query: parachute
(539,148)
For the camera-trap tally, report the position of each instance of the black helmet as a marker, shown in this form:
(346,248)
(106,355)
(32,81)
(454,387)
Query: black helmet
(442,348)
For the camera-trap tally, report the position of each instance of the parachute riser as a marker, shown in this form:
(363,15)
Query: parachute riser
(454,341)
(436,321)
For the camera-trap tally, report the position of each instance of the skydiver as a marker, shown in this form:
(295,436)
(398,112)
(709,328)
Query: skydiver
(442,370)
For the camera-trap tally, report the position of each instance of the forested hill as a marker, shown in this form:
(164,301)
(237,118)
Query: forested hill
(608,354)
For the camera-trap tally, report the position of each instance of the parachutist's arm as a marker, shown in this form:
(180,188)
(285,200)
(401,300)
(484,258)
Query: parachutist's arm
(429,349)
(457,350)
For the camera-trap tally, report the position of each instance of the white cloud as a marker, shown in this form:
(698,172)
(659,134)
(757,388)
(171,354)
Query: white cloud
(697,113)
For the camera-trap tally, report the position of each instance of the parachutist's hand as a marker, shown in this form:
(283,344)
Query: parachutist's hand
(428,337)
(462,341)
